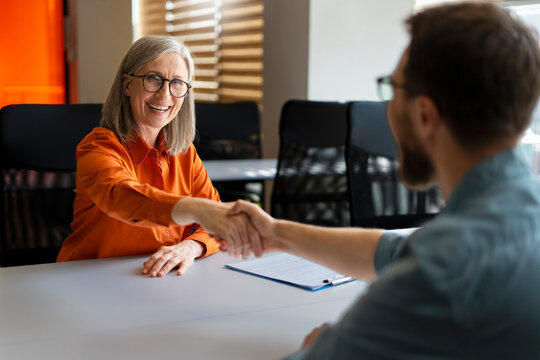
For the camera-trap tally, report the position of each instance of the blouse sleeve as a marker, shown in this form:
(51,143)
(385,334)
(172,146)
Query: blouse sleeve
(202,187)
(107,175)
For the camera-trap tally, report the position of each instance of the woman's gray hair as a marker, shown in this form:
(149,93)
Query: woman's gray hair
(117,115)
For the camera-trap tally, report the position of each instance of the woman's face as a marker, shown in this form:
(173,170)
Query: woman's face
(152,111)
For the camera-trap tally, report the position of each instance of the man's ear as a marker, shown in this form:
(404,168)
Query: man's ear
(427,117)
(125,84)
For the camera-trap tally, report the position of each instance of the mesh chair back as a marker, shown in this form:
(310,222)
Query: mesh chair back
(311,184)
(228,131)
(377,197)
(38,177)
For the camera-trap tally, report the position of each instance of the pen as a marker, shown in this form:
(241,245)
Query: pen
(337,280)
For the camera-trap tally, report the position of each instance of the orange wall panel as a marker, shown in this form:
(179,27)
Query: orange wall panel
(32,65)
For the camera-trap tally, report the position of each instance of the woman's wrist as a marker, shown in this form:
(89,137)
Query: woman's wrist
(196,248)
(184,212)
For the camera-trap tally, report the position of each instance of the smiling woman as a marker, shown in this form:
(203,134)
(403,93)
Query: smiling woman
(141,186)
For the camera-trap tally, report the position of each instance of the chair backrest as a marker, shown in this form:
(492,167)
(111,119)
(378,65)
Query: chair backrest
(377,197)
(311,184)
(228,130)
(38,177)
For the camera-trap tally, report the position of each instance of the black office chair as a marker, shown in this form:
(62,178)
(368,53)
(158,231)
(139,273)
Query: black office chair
(311,183)
(38,177)
(377,197)
(228,131)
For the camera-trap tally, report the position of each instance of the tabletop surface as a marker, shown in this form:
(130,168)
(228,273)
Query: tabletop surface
(248,169)
(105,309)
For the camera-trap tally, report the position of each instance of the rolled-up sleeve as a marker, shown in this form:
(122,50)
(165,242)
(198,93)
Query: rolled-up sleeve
(388,248)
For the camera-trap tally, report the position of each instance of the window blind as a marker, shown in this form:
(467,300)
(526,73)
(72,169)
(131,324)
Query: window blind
(225,38)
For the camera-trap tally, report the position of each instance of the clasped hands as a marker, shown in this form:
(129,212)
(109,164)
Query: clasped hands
(258,235)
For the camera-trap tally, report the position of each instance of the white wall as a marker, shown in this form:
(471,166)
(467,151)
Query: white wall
(352,42)
(104,33)
(327,50)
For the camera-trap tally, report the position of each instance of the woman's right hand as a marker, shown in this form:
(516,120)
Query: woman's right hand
(214,217)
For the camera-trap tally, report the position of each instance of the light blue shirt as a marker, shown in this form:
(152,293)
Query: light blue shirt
(465,286)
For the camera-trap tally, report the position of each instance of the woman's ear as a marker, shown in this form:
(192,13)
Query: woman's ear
(125,84)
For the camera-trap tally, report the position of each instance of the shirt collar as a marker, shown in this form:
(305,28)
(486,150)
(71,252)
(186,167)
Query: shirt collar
(504,167)
(139,148)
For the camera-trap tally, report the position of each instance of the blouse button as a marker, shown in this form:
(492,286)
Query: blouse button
(168,231)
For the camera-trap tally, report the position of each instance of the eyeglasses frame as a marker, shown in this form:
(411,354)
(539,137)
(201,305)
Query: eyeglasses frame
(143,77)
(383,80)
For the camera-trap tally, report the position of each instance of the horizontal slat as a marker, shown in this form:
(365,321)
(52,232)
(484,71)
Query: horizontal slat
(235,39)
(249,10)
(203,48)
(205,84)
(246,66)
(183,5)
(206,97)
(242,52)
(197,36)
(241,93)
(249,80)
(195,19)
(242,25)
(205,60)
(192,13)
(235,3)
(206,72)
(191,26)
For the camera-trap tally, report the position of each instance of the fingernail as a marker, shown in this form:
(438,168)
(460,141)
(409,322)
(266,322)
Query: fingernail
(153,273)
(161,273)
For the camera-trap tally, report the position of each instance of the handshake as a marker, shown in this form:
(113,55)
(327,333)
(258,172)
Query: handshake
(241,228)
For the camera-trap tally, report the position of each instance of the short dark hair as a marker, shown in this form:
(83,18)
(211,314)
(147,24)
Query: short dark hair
(481,67)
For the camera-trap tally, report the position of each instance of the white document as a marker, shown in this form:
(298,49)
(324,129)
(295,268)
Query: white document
(292,270)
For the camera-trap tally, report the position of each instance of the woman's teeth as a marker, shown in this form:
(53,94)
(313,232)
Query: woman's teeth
(159,108)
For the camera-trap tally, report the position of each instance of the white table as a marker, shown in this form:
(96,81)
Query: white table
(104,309)
(242,170)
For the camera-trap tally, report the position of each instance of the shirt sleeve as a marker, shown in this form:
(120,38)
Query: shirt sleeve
(400,317)
(106,174)
(202,187)
(388,249)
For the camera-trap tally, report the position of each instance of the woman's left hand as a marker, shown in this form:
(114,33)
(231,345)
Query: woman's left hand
(168,257)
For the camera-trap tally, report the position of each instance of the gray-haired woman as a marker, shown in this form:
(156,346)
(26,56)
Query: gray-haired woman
(141,187)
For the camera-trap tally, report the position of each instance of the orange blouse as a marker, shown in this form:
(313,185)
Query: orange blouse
(124,196)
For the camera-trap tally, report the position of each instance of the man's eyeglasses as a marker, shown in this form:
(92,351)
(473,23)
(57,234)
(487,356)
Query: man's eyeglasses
(385,87)
(153,83)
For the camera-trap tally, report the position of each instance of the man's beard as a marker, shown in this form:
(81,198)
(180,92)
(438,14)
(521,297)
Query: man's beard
(416,169)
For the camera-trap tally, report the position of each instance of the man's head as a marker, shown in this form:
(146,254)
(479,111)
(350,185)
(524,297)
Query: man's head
(479,66)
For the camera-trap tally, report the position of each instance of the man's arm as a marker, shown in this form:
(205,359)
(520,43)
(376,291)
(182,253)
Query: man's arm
(346,250)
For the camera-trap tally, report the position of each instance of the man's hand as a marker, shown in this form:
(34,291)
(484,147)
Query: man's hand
(168,257)
(313,335)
